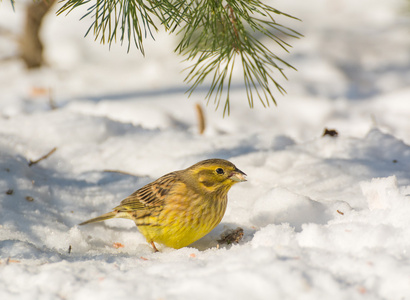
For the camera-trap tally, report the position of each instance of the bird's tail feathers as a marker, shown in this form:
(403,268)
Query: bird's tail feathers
(103,217)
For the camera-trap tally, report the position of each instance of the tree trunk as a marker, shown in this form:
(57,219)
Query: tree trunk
(31,47)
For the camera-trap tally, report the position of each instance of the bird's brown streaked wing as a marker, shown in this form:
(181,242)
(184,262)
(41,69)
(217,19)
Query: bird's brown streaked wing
(149,196)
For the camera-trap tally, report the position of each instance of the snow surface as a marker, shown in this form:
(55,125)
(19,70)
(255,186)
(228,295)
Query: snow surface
(323,217)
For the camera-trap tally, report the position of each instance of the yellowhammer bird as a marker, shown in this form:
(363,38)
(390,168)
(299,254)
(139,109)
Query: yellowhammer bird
(180,207)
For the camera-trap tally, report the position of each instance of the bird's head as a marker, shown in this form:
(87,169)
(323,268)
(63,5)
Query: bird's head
(216,175)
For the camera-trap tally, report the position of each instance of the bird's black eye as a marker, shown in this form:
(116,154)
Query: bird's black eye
(220,171)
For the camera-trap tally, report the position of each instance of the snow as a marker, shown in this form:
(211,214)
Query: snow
(323,217)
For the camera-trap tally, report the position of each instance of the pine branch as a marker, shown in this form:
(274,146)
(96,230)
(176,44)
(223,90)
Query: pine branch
(224,32)
(131,20)
(214,35)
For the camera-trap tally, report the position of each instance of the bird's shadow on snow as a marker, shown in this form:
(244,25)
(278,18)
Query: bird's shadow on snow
(39,204)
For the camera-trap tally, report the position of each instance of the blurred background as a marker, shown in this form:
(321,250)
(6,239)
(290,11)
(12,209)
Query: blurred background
(350,52)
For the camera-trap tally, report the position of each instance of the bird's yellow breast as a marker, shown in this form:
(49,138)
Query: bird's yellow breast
(184,220)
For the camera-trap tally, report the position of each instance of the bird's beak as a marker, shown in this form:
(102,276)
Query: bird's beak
(238,176)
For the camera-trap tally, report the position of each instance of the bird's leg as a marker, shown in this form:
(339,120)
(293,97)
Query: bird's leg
(153,246)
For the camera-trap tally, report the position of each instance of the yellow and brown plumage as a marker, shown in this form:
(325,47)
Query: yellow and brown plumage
(180,207)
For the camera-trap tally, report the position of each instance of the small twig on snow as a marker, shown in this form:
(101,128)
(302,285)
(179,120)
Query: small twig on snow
(31,162)
(201,118)
(120,172)
(51,100)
